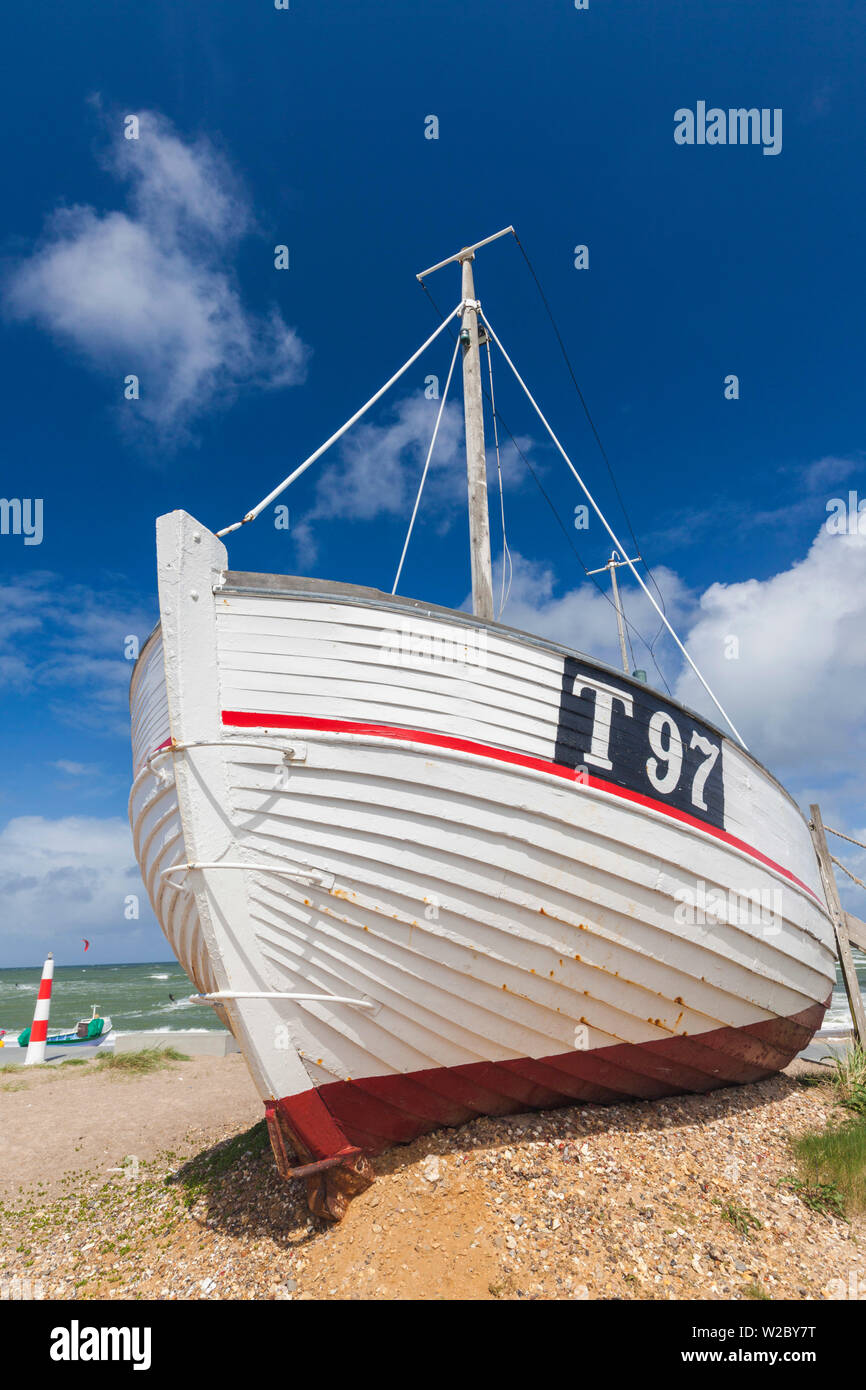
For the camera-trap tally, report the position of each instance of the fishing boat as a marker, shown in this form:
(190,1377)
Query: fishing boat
(88,1033)
(428,867)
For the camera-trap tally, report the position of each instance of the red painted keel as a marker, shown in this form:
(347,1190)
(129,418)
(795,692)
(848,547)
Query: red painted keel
(378,1111)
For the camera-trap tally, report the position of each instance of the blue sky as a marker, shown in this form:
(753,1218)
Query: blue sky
(306,128)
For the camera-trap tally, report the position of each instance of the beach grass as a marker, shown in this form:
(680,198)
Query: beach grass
(742,1220)
(831,1176)
(755,1291)
(833,1168)
(146,1060)
(849,1078)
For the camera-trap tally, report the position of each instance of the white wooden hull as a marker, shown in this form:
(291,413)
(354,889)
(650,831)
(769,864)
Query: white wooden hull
(520,923)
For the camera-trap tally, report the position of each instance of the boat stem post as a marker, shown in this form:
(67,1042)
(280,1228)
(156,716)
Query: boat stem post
(476,459)
(840,923)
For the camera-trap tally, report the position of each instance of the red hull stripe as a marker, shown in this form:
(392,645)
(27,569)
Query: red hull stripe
(243,719)
(378,1111)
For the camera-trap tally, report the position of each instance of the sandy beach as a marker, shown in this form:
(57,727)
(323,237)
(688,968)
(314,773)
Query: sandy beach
(162,1185)
(61,1122)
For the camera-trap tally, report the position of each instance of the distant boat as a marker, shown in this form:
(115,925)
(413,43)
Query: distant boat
(88,1033)
(428,867)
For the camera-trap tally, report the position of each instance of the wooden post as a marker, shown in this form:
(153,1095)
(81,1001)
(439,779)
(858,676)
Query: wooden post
(840,923)
(476,459)
(856,931)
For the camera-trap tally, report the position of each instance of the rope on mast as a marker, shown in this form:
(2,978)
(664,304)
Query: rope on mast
(302,468)
(506,553)
(603,519)
(426,466)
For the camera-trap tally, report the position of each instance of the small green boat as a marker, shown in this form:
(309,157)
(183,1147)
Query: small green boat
(87,1032)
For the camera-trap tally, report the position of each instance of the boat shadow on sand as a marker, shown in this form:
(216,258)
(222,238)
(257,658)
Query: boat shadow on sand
(234,1186)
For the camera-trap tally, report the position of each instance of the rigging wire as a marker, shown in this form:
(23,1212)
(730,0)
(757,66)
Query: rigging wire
(606,524)
(592,424)
(426,466)
(302,468)
(506,553)
(559,521)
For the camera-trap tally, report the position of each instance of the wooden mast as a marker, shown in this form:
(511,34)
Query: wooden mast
(473,414)
(476,455)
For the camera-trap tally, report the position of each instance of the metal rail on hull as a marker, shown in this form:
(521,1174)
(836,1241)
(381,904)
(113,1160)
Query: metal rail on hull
(219,995)
(295,753)
(304,876)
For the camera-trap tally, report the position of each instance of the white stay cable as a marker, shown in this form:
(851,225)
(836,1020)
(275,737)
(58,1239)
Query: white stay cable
(623,551)
(426,466)
(506,553)
(302,468)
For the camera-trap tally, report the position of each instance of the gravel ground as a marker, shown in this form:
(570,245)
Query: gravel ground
(59,1121)
(682,1198)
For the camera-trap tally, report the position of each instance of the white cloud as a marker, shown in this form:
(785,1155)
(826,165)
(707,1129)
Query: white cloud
(66,644)
(379,466)
(831,471)
(799,501)
(797,690)
(146,291)
(64,878)
(585,619)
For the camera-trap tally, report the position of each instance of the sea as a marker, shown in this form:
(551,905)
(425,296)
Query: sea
(155,997)
(138,998)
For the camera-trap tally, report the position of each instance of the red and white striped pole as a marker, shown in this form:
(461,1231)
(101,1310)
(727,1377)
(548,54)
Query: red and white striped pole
(39,1029)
